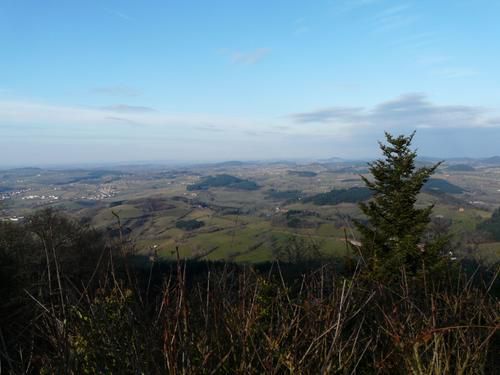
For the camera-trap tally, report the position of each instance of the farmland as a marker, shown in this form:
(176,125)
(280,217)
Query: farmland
(243,211)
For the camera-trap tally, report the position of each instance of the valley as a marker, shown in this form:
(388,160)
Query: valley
(246,211)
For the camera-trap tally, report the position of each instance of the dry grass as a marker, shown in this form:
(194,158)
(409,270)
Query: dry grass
(238,321)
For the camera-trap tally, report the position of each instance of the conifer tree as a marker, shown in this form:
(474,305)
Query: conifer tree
(391,237)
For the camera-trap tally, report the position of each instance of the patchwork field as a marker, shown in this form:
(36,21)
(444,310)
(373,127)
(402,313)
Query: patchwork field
(243,212)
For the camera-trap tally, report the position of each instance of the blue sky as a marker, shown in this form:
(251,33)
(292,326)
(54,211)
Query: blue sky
(110,81)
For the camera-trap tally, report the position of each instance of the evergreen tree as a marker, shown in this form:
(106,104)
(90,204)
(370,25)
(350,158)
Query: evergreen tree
(391,237)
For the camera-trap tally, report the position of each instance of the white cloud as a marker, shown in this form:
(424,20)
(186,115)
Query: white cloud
(403,113)
(128,108)
(408,111)
(56,133)
(27,113)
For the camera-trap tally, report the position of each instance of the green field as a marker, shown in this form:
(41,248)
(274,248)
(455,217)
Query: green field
(239,225)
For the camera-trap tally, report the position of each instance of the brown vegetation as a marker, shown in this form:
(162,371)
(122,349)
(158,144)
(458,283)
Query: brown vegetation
(192,317)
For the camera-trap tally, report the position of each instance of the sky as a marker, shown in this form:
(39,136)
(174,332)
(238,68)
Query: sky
(106,81)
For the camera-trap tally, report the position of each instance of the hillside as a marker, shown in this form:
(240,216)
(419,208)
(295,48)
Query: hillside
(442,186)
(223,180)
(336,196)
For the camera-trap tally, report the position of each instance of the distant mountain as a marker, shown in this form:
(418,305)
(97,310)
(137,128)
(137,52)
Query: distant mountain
(460,168)
(231,163)
(282,162)
(428,159)
(494,160)
(463,160)
(332,160)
